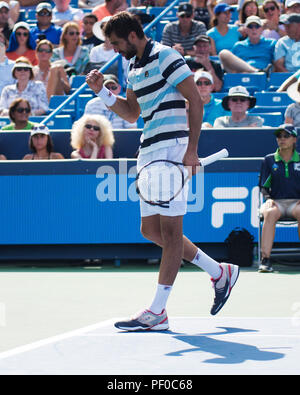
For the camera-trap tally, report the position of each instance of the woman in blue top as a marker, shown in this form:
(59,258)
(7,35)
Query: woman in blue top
(223,35)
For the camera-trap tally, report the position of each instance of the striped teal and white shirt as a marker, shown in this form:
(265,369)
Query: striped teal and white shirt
(153,79)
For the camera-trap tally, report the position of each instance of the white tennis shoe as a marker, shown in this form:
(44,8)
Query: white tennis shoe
(145,320)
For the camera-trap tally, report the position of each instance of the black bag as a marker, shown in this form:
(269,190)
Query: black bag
(240,247)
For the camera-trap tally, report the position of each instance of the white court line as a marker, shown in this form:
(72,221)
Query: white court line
(81,331)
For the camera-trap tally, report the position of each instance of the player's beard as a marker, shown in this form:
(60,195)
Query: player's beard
(130,52)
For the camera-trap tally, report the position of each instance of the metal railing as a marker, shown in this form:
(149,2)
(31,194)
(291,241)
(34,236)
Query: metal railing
(75,94)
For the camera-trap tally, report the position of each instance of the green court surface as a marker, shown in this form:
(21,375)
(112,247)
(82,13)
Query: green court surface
(37,303)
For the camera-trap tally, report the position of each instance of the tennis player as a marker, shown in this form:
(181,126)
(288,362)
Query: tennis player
(159,81)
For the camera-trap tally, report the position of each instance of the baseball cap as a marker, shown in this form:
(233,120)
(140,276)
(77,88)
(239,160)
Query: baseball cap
(185,8)
(39,129)
(203,74)
(110,78)
(202,37)
(290,3)
(4,4)
(291,18)
(222,7)
(43,6)
(253,19)
(288,128)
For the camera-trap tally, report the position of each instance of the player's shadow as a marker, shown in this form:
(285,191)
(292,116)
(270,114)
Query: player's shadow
(227,352)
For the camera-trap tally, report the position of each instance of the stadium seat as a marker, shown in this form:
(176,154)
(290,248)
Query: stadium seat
(4,121)
(58,122)
(159,29)
(252,81)
(269,99)
(272,119)
(56,101)
(82,102)
(77,81)
(170,16)
(276,79)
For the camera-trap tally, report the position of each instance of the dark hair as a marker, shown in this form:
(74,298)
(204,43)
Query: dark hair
(49,146)
(14,105)
(122,24)
(90,15)
(242,15)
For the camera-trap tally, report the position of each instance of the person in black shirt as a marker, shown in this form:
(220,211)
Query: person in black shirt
(280,184)
(88,38)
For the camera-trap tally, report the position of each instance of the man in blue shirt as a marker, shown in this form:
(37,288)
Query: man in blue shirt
(6,65)
(252,55)
(44,27)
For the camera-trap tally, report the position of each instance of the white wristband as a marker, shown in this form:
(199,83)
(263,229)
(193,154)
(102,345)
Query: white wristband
(107,97)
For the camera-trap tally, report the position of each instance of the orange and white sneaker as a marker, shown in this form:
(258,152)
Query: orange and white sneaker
(145,321)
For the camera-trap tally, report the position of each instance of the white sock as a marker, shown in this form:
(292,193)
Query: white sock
(160,299)
(208,264)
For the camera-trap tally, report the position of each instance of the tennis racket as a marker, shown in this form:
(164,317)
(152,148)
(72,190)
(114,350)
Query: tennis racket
(161,181)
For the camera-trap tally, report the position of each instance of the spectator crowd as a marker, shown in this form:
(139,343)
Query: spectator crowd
(43,45)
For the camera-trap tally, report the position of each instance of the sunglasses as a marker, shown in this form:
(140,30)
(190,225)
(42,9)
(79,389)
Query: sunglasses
(111,87)
(19,34)
(39,127)
(237,99)
(44,13)
(73,33)
(185,16)
(41,50)
(253,26)
(284,136)
(20,110)
(22,68)
(200,83)
(96,128)
(272,8)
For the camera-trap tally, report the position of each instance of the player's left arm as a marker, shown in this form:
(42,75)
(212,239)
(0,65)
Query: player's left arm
(190,92)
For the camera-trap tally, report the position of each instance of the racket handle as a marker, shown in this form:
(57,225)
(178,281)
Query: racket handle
(214,157)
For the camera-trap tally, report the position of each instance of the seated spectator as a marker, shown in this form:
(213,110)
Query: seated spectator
(252,55)
(44,28)
(63,13)
(5,24)
(19,112)
(212,107)
(109,8)
(6,65)
(249,8)
(41,145)
(279,183)
(25,87)
(70,50)
(92,137)
(238,101)
(292,113)
(104,52)
(223,34)
(88,38)
(292,7)
(286,55)
(21,43)
(181,34)
(271,26)
(201,60)
(13,12)
(202,11)
(53,76)
(96,105)
(148,3)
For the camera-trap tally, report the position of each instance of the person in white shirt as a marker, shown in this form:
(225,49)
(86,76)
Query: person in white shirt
(63,13)
(6,65)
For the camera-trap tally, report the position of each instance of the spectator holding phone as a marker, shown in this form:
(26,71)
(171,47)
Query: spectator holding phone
(44,28)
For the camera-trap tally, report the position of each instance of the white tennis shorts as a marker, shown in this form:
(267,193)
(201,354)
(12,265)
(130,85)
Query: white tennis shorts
(178,206)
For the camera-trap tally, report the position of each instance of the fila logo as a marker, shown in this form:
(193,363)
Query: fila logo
(230,203)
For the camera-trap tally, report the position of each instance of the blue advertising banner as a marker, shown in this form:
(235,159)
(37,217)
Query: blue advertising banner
(92,202)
